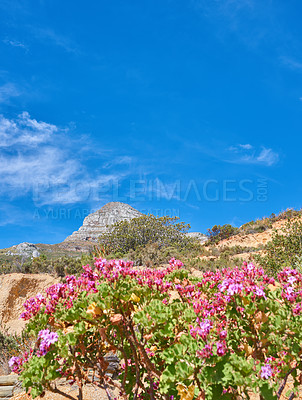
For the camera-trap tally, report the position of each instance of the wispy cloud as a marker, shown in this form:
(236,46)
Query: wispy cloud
(239,17)
(122,160)
(56,39)
(246,146)
(291,63)
(15,43)
(240,147)
(41,159)
(260,25)
(229,8)
(7,91)
(248,154)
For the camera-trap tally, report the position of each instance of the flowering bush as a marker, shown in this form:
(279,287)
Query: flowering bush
(224,334)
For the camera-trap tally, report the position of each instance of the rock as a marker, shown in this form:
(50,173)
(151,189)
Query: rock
(199,236)
(96,223)
(15,289)
(25,249)
(35,254)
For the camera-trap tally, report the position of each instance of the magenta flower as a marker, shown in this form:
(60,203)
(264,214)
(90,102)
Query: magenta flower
(13,361)
(204,328)
(260,292)
(47,339)
(266,371)
(234,288)
(291,280)
(223,334)
(205,352)
(221,348)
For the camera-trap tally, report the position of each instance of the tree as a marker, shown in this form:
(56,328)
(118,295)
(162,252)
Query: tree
(138,232)
(219,232)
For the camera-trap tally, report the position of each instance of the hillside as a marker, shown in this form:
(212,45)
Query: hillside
(250,239)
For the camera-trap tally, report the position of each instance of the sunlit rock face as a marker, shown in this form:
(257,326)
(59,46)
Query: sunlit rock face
(96,223)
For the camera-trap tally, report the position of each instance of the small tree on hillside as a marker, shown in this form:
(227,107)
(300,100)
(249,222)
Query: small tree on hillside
(219,232)
(138,232)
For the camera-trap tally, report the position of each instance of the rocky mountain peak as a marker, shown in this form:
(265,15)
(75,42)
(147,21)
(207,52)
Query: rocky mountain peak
(96,223)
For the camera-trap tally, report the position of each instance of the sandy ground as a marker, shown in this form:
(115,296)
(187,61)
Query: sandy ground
(93,393)
(90,392)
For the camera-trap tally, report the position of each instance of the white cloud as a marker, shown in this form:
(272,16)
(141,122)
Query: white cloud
(245,146)
(7,91)
(248,154)
(267,157)
(239,147)
(15,43)
(291,63)
(46,34)
(24,131)
(12,215)
(42,160)
(118,161)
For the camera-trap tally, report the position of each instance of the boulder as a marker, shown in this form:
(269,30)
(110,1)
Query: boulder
(27,250)
(199,236)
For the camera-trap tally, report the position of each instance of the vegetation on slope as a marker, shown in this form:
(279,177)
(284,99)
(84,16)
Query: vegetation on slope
(285,248)
(149,240)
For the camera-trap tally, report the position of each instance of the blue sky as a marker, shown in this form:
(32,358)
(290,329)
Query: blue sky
(189,107)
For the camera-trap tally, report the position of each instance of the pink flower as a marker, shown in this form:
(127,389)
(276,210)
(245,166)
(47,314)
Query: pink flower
(291,280)
(221,348)
(234,288)
(204,328)
(266,371)
(223,334)
(206,352)
(47,339)
(260,292)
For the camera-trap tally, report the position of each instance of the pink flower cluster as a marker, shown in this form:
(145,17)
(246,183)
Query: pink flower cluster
(203,328)
(218,290)
(111,271)
(15,363)
(210,298)
(47,339)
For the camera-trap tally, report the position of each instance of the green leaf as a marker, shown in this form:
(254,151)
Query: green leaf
(267,392)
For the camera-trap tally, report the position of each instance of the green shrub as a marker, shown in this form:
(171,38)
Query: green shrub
(10,345)
(219,232)
(38,265)
(223,261)
(147,236)
(152,254)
